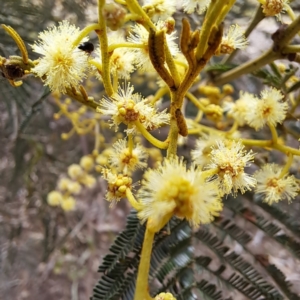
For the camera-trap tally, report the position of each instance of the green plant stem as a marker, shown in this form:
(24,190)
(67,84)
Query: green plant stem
(135,8)
(248,67)
(264,59)
(173,133)
(291,49)
(213,10)
(141,292)
(78,97)
(112,47)
(274,133)
(84,32)
(290,32)
(102,35)
(136,205)
(149,137)
(287,166)
(160,93)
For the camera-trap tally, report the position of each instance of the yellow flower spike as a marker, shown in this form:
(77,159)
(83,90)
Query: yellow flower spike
(122,189)
(18,41)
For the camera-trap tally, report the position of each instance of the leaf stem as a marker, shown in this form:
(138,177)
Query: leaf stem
(102,35)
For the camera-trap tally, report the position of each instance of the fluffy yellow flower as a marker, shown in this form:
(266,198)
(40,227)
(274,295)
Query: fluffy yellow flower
(234,39)
(190,6)
(274,7)
(274,187)
(269,109)
(68,204)
(202,153)
(75,171)
(172,189)
(87,163)
(126,107)
(54,198)
(238,109)
(159,9)
(116,185)
(230,161)
(62,65)
(125,160)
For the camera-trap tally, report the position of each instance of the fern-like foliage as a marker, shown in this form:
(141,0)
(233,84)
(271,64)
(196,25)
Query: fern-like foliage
(178,266)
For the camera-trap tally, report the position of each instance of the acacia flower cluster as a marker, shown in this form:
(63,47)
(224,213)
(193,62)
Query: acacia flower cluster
(234,39)
(275,186)
(174,189)
(159,9)
(274,7)
(229,160)
(67,187)
(117,185)
(150,46)
(249,109)
(128,108)
(125,159)
(201,155)
(200,6)
(62,65)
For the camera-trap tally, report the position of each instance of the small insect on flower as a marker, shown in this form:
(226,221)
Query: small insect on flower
(87,47)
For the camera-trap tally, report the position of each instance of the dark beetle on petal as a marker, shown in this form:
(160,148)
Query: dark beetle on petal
(87,47)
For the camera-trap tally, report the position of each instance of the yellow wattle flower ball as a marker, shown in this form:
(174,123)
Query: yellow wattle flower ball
(74,187)
(87,163)
(68,204)
(165,296)
(88,180)
(54,198)
(64,184)
(75,171)
(175,190)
